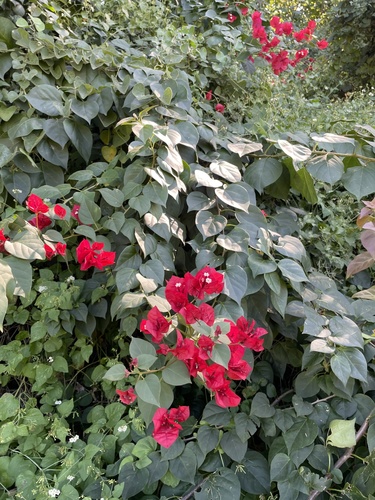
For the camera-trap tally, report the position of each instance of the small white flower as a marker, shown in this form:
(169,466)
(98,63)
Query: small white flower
(42,288)
(58,402)
(122,428)
(46,200)
(70,279)
(16,191)
(74,439)
(50,359)
(54,492)
(208,280)
(70,478)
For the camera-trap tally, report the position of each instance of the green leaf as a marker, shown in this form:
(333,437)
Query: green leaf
(116,372)
(236,241)
(81,137)
(295,151)
(139,346)
(263,172)
(260,265)
(226,170)
(198,201)
(235,196)
(357,362)
(184,466)
(208,438)
(245,148)
(126,279)
(176,373)
(232,445)
(5,155)
(341,367)
(46,99)
(360,180)
(300,435)
(87,109)
(22,274)
(280,300)
(53,153)
(254,476)
(9,406)
(149,389)
(281,467)
(153,269)
(209,224)
(292,270)
(303,182)
(235,283)
(216,415)
(221,354)
(342,433)
(290,247)
(26,245)
(114,197)
(260,406)
(133,479)
(144,447)
(327,169)
(223,484)
(345,332)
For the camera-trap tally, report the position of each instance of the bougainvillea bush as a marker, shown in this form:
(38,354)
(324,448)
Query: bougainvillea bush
(165,332)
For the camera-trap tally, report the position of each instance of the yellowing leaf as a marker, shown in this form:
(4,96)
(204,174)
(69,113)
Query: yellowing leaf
(342,433)
(109,152)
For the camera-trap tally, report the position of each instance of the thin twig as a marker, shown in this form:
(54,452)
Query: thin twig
(281,397)
(348,453)
(191,492)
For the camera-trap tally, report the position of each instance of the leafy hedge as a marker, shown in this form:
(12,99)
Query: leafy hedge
(111,152)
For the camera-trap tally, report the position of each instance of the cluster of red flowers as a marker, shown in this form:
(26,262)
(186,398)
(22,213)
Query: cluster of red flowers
(167,424)
(93,255)
(196,350)
(36,205)
(88,255)
(281,60)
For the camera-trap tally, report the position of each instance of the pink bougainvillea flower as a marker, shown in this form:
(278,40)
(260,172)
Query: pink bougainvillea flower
(270,45)
(301,54)
(286,28)
(220,108)
(3,239)
(59,211)
(205,345)
(190,313)
(244,11)
(231,17)
(322,44)
(225,397)
(93,255)
(61,249)
(35,204)
(279,61)
(176,293)
(206,281)
(50,251)
(127,397)
(155,325)
(238,368)
(184,349)
(209,95)
(196,363)
(214,376)
(166,424)
(207,314)
(40,221)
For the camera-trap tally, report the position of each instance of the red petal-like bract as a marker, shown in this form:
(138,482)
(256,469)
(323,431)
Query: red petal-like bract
(127,397)
(166,424)
(35,204)
(156,325)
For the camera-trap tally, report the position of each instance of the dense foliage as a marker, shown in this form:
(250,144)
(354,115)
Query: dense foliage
(171,327)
